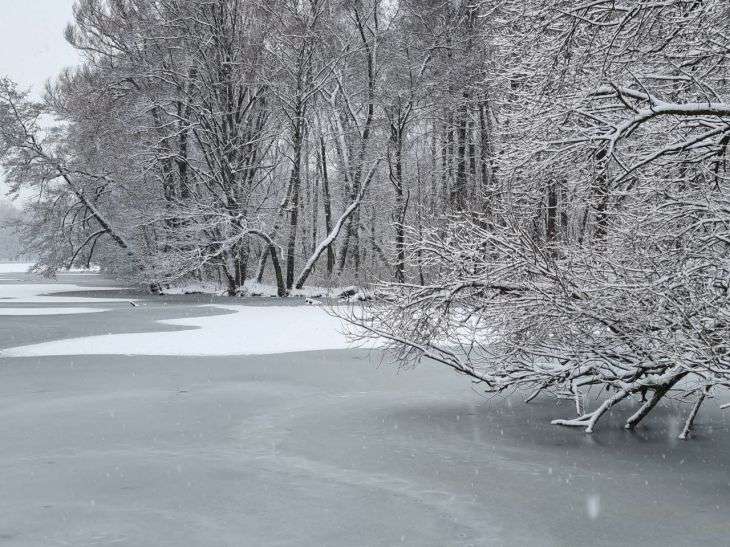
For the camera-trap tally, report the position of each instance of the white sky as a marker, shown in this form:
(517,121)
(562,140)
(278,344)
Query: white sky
(32,47)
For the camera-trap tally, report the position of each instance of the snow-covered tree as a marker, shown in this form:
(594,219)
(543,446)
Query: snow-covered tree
(605,263)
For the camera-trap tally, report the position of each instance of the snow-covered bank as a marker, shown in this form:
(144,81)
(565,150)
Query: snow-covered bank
(253,288)
(93,270)
(248,330)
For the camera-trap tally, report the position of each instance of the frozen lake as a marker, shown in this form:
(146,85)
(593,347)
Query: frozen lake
(321,448)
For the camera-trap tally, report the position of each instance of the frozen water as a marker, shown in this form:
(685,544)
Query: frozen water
(593,506)
(248,330)
(48,311)
(39,293)
(326,449)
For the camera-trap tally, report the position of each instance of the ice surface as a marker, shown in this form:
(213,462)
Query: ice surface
(248,330)
(39,293)
(325,449)
(49,311)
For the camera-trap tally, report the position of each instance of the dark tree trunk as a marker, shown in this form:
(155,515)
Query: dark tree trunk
(551,229)
(327,205)
(396,177)
(295,185)
(601,196)
(458,192)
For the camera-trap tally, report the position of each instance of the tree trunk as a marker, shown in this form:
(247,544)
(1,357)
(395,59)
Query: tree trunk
(396,177)
(293,219)
(458,192)
(327,205)
(551,228)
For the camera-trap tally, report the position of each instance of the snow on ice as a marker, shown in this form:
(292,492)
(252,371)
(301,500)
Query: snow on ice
(248,330)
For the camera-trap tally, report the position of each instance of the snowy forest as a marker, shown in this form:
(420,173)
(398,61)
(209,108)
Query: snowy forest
(534,193)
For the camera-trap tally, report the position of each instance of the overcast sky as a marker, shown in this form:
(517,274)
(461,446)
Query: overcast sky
(32,47)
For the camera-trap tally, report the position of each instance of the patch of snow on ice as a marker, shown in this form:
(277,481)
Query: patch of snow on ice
(15,267)
(248,331)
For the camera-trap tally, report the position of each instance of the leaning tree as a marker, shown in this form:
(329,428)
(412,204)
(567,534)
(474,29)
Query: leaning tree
(605,264)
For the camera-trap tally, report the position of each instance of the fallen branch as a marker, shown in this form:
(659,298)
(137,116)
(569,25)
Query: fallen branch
(327,241)
(688,425)
(589,420)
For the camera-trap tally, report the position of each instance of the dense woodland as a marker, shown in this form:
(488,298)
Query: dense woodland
(542,183)
(237,139)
